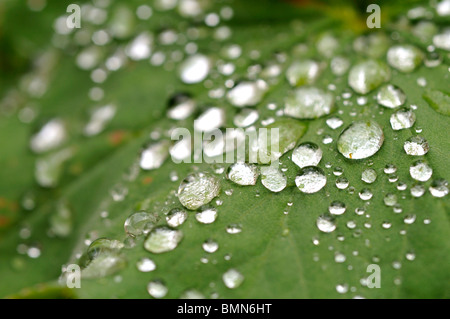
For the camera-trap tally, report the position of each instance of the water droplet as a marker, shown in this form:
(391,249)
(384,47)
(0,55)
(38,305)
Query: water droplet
(342,288)
(157,289)
(326,224)
(243,174)
(390,96)
(311,180)
(50,136)
(139,223)
(404,118)
(442,40)
(303,72)
(420,171)
(232,278)
(365,194)
(246,118)
(176,217)
(390,199)
(404,57)
(195,69)
(49,168)
(417,190)
(368,75)
(233,229)
(198,189)
(210,246)
(416,146)
(337,208)
(273,179)
(141,47)
(439,188)
(145,265)
(162,239)
(207,215)
(369,175)
(99,118)
(334,122)
(308,103)
(180,107)
(213,118)
(342,182)
(154,155)
(307,154)
(247,93)
(409,219)
(360,139)
(61,221)
(192,293)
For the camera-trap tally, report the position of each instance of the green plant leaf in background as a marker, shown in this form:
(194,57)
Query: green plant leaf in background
(113,91)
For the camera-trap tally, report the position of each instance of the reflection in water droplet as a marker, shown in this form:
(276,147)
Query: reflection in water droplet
(198,189)
(368,75)
(420,171)
(176,217)
(195,69)
(163,239)
(307,154)
(439,188)
(157,289)
(139,223)
(369,175)
(404,57)
(402,119)
(416,146)
(311,180)
(145,265)
(360,140)
(243,174)
(308,103)
(326,224)
(232,278)
(391,96)
(207,215)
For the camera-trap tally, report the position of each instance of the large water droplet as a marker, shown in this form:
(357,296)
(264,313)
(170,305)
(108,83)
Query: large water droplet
(326,224)
(176,217)
(420,171)
(195,69)
(243,174)
(416,145)
(207,215)
(211,119)
(303,72)
(390,96)
(273,178)
(139,223)
(50,136)
(360,140)
(311,180)
(163,239)
(402,119)
(308,103)
(404,57)
(198,189)
(439,187)
(307,154)
(369,175)
(368,75)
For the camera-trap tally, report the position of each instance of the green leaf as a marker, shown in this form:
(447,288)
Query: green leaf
(270,239)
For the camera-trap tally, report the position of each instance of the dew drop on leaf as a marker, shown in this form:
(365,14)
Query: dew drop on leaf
(162,239)
(310,180)
(360,140)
